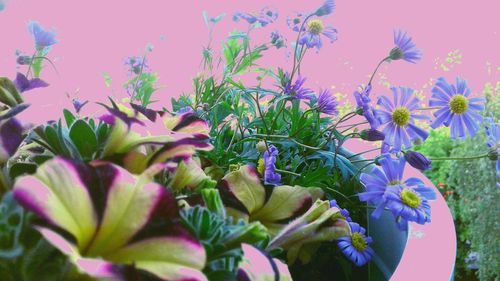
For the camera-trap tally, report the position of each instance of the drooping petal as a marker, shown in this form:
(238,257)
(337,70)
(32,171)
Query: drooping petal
(187,123)
(58,194)
(188,174)
(175,258)
(283,204)
(245,184)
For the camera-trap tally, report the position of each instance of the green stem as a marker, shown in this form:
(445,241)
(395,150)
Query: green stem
(287,172)
(353,125)
(288,138)
(297,45)
(460,158)
(428,108)
(31,64)
(363,160)
(361,153)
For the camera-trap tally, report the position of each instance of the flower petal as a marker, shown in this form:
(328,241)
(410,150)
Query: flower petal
(246,186)
(171,258)
(57,193)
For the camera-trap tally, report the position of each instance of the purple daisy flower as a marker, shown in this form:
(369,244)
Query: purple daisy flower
(405,48)
(493,133)
(363,102)
(43,38)
(327,103)
(382,185)
(296,90)
(356,246)
(265,17)
(399,117)
(270,174)
(456,109)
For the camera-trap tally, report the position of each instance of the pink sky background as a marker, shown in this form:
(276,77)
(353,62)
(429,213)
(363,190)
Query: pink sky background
(96,36)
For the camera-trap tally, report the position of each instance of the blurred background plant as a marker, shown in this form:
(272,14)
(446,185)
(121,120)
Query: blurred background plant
(470,189)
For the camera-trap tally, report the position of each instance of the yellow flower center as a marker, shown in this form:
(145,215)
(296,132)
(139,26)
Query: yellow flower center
(459,104)
(261,166)
(315,26)
(358,241)
(394,182)
(410,198)
(401,116)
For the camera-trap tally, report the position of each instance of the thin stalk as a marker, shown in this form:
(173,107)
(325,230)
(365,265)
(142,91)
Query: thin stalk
(460,158)
(361,153)
(376,69)
(296,46)
(287,172)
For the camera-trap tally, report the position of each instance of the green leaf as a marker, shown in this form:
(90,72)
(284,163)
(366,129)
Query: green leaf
(69,117)
(53,140)
(21,168)
(83,138)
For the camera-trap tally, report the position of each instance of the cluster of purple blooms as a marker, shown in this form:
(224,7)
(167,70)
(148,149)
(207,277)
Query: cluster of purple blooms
(394,121)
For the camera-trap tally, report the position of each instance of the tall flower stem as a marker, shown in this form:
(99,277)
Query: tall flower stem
(376,69)
(297,45)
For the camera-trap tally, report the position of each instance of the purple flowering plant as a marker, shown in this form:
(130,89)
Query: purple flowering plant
(243,182)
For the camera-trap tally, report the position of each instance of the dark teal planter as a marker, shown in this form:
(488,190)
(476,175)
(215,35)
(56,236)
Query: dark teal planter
(389,244)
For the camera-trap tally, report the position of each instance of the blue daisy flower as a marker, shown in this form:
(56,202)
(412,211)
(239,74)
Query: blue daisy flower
(456,109)
(405,48)
(385,188)
(43,38)
(311,35)
(410,203)
(356,247)
(399,117)
(363,102)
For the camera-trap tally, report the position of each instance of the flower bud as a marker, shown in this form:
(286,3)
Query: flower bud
(372,135)
(23,60)
(396,54)
(261,146)
(418,160)
(493,154)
